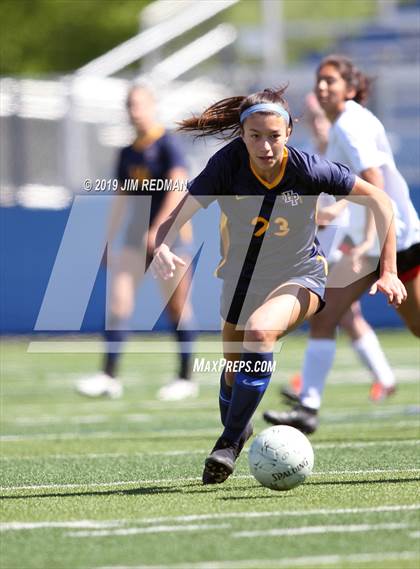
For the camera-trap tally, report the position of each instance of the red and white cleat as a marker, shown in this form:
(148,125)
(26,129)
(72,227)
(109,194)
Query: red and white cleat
(296,383)
(379,392)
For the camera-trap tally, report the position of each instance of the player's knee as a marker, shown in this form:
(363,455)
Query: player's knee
(121,309)
(263,339)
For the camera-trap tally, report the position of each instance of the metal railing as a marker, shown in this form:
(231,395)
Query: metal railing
(193,54)
(148,40)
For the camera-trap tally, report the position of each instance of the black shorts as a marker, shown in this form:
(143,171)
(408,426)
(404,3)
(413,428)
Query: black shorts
(408,263)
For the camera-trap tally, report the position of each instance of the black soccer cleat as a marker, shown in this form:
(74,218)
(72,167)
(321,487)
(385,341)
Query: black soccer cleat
(289,396)
(302,418)
(220,463)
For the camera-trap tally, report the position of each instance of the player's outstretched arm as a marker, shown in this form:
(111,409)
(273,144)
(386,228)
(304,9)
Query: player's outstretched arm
(326,215)
(388,282)
(164,261)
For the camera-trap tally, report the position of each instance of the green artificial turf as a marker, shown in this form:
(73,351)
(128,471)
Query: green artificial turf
(95,483)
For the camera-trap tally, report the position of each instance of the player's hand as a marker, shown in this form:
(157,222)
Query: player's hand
(165,263)
(326,215)
(391,286)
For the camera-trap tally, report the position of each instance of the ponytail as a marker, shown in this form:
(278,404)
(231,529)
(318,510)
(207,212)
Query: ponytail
(223,118)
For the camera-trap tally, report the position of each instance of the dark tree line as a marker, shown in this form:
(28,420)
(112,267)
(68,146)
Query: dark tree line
(57,36)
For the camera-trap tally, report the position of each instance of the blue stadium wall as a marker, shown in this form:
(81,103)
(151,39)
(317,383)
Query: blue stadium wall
(30,241)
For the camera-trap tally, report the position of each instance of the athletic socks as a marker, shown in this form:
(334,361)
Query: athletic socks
(371,355)
(250,385)
(318,361)
(225,397)
(114,338)
(185,339)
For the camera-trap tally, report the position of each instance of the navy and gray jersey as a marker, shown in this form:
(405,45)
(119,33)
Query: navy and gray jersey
(267,229)
(150,158)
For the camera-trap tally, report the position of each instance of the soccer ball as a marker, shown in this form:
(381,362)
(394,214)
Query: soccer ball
(281,458)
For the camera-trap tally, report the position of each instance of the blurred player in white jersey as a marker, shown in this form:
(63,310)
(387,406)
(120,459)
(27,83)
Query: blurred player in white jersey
(358,139)
(336,231)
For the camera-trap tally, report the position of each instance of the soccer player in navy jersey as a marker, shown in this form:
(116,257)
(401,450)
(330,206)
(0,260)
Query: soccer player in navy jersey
(153,157)
(273,271)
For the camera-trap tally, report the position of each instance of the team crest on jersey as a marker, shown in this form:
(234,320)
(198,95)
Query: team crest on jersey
(291,197)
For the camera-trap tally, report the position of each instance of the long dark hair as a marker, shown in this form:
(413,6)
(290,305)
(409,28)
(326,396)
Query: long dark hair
(351,75)
(222,118)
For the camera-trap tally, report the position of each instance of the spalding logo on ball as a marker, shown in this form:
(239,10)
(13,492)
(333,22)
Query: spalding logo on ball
(281,458)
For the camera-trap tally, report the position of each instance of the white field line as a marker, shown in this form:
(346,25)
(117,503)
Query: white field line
(128,454)
(293,347)
(195,478)
(125,407)
(94,455)
(404,375)
(285,562)
(349,424)
(94,524)
(153,529)
(89,406)
(364,471)
(112,435)
(82,419)
(184,433)
(162,345)
(414,534)
(101,484)
(78,346)
(59,419)
(350,412)
(269,533)
(347,369)
(75,524)
(307,530)
(131,418)
(353,416)
(93,406)
(363,444)
(353,375)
